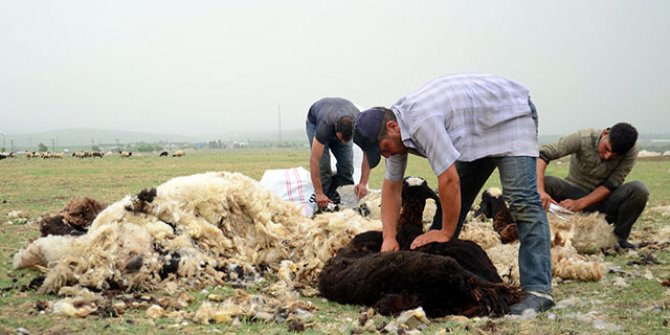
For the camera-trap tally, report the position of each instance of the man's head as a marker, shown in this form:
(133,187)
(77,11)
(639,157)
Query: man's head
(344,129)
(377,133)
(617,140)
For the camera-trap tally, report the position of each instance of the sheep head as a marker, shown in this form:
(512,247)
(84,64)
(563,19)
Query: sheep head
(415,192)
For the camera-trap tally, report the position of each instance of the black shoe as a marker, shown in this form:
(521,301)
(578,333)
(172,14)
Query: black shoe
(538,302)
(623,244)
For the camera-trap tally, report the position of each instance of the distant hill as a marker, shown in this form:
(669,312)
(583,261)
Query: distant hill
(286,135)
(86,137)
(65,138)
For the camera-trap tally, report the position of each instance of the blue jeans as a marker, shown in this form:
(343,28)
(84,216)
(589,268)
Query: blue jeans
(518,176)
(344,155)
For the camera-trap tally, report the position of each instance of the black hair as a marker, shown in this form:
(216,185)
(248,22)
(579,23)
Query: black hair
(388,116)
(345,125)
(622,137)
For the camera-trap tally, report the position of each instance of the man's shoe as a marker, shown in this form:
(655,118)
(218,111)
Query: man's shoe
(536,301)
(623,244)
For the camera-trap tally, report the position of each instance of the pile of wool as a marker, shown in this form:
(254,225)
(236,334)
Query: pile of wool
(480,231)
(663,210)
(216,308)
(193,231)
(257,306)
(588,233)
(575,246)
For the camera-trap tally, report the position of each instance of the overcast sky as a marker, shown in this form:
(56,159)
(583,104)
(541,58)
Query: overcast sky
(211,67)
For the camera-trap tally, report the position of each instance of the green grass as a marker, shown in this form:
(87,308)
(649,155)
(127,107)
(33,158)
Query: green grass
(37,186)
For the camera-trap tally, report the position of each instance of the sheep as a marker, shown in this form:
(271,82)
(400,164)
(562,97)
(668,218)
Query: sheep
(125,153)
(74,219)
(456,276)
(587,232)
(580,234)
(393,282)
(163,154)
(82,211)
(179,153)
(492,202)
(97,154)
(56,225)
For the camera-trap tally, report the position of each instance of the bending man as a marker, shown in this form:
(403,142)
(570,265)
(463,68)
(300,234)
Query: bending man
(466,126)
(330,126)
(600,160)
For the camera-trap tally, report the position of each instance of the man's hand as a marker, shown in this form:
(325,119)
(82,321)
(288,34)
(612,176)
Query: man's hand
(361,190)
(430,237)
(573,205)
(390,244)
(546,199)
(321,200)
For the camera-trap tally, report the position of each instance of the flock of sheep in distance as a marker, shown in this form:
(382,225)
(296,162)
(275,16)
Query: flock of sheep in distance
(83,154)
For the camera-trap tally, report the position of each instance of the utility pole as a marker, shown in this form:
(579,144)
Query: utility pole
(53,145)
(279,122)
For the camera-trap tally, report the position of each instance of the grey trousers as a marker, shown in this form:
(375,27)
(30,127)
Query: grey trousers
(621,208)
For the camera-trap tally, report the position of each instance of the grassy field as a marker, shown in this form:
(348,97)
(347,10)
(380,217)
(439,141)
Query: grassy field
(36,186)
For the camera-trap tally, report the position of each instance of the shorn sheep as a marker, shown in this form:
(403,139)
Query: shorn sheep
(444,278)
(576,240)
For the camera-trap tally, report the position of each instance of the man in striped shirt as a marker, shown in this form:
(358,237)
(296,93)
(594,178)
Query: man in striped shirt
(466,125)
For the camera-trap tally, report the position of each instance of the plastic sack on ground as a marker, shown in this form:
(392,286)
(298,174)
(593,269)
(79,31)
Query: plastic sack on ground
(294,185)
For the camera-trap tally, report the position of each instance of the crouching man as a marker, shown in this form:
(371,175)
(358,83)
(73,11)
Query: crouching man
(329,127)
(600,160)
(466,126)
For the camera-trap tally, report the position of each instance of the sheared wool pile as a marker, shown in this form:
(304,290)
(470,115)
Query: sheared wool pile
(191,229)
(588,233)
(576,245)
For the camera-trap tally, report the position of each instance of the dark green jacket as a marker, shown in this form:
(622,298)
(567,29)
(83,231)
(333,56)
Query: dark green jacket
(587,170)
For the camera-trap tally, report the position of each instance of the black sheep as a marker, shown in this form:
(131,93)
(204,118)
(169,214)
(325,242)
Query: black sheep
(392,282)
(415,192)
(455,277)
(493,206)
(74,219)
